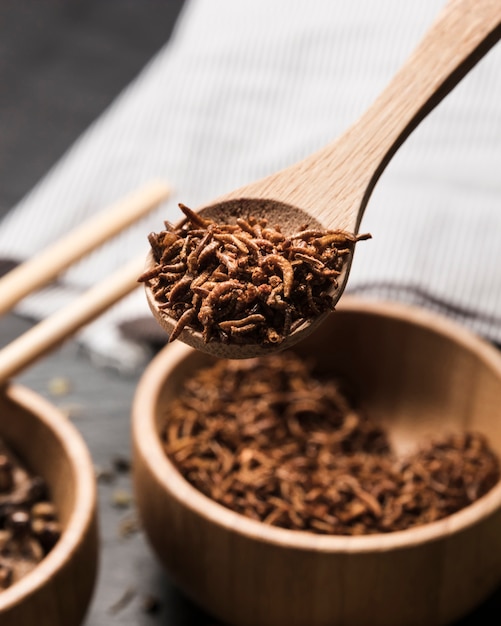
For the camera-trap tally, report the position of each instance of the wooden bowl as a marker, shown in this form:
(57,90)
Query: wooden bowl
(58,591)
(419,374)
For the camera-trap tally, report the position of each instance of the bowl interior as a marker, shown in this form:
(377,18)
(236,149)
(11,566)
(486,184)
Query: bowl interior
(417,374)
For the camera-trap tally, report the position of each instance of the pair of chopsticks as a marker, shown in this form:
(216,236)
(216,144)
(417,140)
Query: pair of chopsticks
(50,263)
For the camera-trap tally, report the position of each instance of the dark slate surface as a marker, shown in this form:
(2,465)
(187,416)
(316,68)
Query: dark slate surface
(61,64)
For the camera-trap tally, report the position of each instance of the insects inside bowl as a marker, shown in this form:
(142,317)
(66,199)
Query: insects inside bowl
(55,591)
(405,530)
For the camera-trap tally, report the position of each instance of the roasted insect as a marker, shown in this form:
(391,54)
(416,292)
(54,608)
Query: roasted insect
(244,282)
(271,439)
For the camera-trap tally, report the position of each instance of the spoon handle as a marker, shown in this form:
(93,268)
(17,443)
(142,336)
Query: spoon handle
(346,170)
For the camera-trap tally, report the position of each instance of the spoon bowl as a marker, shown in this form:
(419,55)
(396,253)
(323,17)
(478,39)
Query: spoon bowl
(330,188)
(291,220)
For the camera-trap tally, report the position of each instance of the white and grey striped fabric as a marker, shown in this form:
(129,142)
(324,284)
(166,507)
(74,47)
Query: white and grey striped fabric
(245,88)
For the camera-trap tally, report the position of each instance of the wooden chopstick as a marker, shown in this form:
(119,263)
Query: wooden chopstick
(53,330)
(48,264)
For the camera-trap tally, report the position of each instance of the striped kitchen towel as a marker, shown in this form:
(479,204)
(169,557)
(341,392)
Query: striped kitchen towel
(245,88)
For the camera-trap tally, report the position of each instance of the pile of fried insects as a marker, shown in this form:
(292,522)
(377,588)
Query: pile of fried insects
(245,282)
(272,439)
(29,527)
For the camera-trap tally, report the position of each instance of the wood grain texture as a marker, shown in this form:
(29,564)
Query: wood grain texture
(417,373)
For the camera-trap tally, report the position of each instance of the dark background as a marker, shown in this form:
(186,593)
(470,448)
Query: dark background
(61,64)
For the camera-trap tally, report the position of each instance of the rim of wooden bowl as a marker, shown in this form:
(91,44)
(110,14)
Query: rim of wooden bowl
(147,441)
(82,515)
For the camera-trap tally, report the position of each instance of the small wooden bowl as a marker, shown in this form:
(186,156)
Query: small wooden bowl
(416,372)
(58,591)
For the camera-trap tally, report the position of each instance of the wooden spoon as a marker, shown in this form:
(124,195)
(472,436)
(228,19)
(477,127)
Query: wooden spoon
(331,187)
